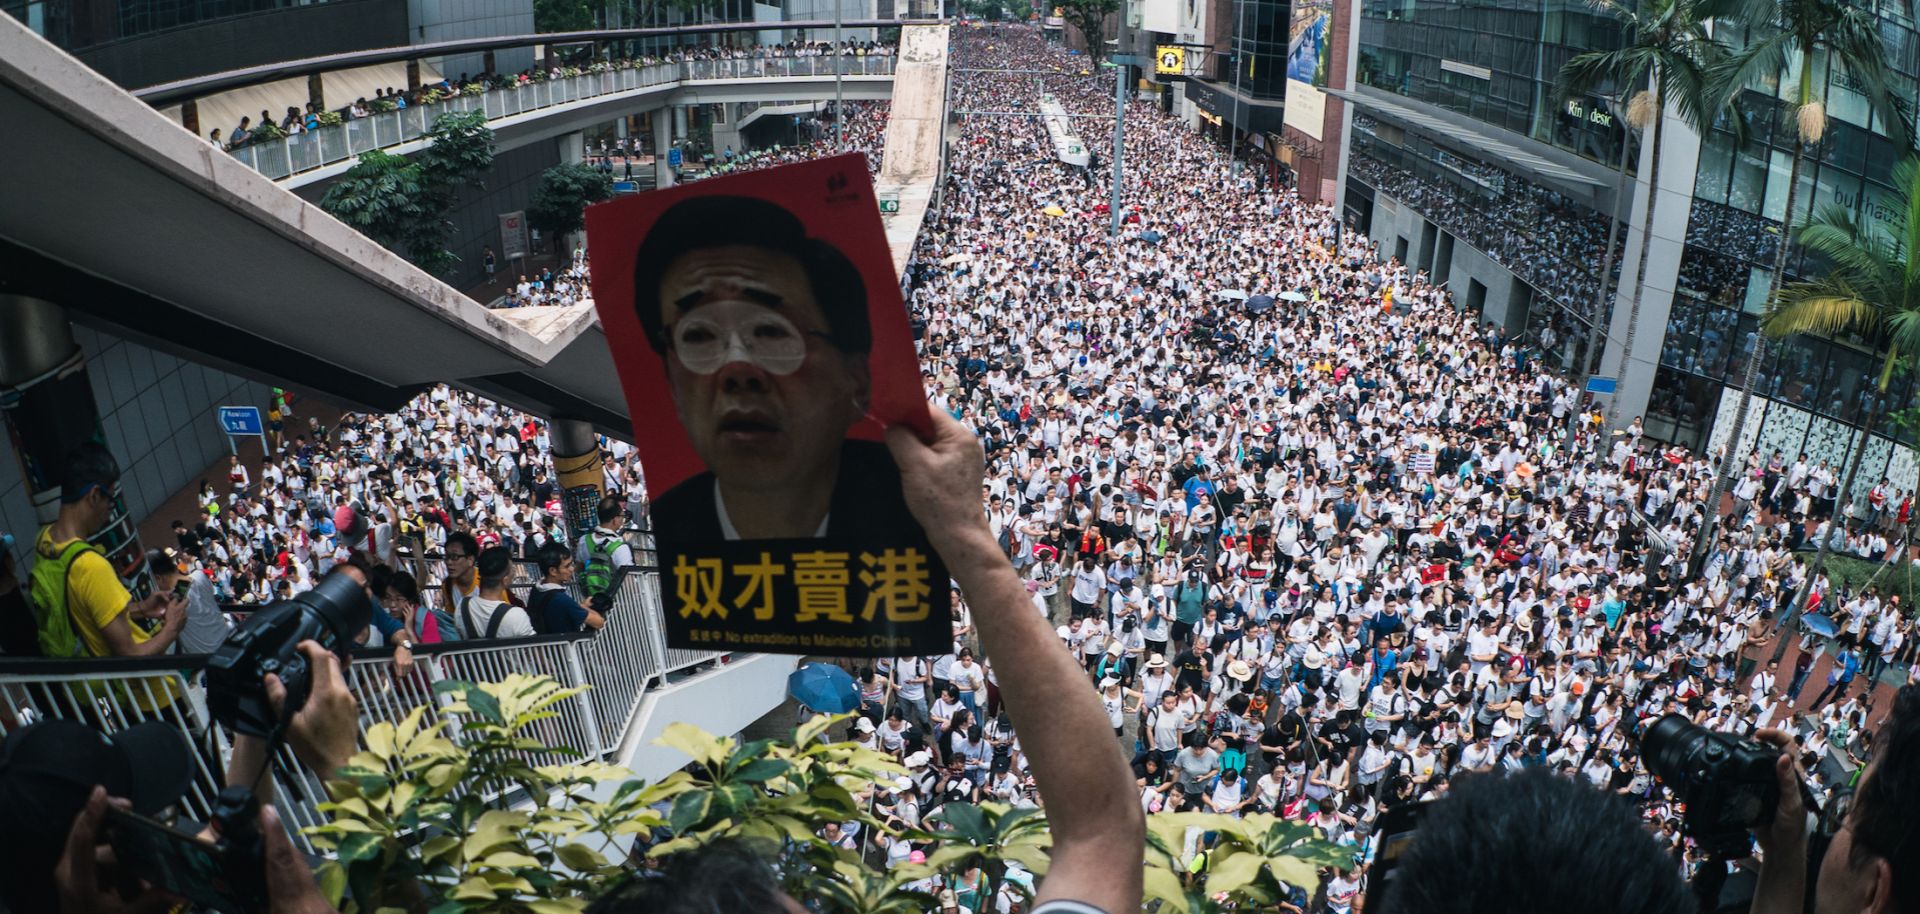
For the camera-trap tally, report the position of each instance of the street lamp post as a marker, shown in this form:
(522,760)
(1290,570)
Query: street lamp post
(1121,56)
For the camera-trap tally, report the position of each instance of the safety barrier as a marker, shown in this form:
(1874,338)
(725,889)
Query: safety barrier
(619,663)
(323,146)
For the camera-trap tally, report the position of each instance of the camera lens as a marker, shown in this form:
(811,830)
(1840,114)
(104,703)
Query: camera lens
(342,604)
(1667,745)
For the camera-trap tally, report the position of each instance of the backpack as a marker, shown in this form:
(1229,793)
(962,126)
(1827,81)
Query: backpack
(597,578)
(493,624)
(52,616)
(537,610)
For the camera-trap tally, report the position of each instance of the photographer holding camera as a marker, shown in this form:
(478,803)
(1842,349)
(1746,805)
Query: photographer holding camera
(278,676)
(1872,859)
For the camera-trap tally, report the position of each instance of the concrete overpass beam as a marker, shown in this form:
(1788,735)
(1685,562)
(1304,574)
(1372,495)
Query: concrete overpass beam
(49,410)
(662,144)
(573,148)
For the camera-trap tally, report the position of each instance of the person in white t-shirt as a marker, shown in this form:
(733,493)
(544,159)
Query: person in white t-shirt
(490,613)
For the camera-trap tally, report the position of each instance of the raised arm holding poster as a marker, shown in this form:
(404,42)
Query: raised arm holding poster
(763,347)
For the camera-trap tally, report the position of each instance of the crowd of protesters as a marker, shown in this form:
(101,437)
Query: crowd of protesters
(1323,541)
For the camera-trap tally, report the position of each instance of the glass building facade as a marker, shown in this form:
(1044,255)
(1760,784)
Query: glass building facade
(1740,197)
(1259,62)
(1496,61)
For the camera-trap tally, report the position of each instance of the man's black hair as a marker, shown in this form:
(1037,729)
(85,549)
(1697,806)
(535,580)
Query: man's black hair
(494,565)
(89,465)
(1483,847)
(1888,801)
(722,221)
(552,556)
(609,509)
(722,877)
(463,539)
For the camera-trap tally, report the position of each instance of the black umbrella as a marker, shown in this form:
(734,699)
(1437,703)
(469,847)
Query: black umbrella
(1259,304)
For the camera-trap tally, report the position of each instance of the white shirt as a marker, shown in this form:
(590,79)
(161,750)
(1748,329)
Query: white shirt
(515,625)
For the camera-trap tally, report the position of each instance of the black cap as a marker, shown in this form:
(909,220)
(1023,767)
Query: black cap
(47,771)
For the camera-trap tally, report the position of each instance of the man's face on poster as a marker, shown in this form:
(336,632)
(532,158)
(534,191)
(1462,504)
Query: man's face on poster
(763,392)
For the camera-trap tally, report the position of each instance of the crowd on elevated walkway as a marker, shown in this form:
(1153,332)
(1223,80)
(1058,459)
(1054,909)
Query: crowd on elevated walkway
(312,116)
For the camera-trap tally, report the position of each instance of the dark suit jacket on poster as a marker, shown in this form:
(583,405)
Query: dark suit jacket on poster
(867,503)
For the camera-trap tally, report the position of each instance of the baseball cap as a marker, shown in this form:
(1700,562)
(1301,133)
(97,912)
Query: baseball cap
(47,771)
(863,725)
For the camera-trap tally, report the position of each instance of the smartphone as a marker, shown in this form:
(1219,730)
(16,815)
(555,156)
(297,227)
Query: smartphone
(183,864)
(1392,835)
(181,587)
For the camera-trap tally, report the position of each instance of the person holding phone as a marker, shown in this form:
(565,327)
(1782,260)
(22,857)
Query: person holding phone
(174,574)
(98,607)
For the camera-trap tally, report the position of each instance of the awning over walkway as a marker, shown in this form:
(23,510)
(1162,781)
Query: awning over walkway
(1451,128)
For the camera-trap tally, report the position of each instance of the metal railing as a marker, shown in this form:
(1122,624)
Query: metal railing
(323,146)
(618,663)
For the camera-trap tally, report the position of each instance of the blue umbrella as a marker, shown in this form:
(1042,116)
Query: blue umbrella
(1819,625)
(1151,237)
(824,687)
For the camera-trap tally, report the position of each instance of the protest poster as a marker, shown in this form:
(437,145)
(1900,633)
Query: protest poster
(763,346)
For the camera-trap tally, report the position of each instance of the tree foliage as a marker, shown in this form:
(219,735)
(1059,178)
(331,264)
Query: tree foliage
(402,203)
(383,197)
(1090,17)
(563,15)
(423,820)
(459,151)
(559,204)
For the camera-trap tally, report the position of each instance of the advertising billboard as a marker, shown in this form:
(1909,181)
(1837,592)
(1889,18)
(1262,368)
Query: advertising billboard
(1309,56)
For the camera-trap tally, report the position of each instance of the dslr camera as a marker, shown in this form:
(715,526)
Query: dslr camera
(1728,785)
(332,614)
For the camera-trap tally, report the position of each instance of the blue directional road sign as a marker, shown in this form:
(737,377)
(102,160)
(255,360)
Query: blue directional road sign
(1602,385)
(673,157)
(241,420)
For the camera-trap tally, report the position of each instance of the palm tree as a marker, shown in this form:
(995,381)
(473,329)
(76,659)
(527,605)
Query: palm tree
(1873,290)
(1797,30)
(1667,46)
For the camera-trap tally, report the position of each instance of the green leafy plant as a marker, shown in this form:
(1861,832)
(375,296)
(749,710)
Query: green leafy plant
(1252,862)
(468,808)
(401,203)
(330,119)
(560,201)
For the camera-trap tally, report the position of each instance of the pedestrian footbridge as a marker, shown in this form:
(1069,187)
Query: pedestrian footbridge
(143,228)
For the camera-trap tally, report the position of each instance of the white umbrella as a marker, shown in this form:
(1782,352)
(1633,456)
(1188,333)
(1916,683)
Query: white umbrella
(952,259)
(1231,295)
(1291,295)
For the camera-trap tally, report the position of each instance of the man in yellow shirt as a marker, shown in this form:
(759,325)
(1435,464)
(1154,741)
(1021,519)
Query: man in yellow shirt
(99,607)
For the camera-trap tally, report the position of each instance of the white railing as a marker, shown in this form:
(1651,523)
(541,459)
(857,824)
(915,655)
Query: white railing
(323,146)
(619,664)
